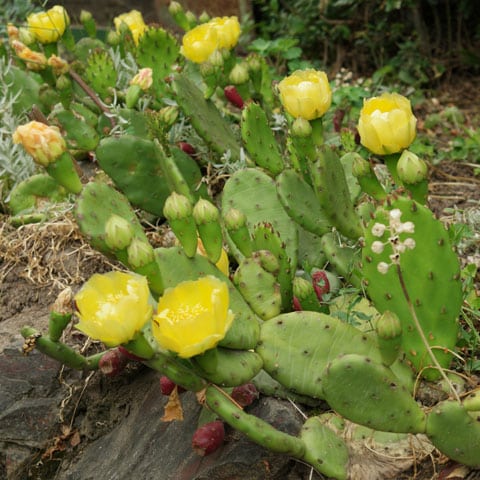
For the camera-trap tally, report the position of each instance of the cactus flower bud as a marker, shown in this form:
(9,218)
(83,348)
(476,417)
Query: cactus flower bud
(48,26)
(204,17)
(360,166)
(206,216)
(43,142)
(140,253)
(85,16)
(133,20)
(232,95)
(410,168)
(387,124)
(208,438)
(236,225)
(26,36)
(301,128)
(113,307)
(389,336)
(144,78)
(168,115)
(118,232)
(113,362)
(113,38)
(239,74)
(205,212)
(177,206)
(304,295)
(306,94)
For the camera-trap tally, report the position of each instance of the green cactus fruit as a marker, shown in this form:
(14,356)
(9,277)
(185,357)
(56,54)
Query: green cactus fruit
(205,117)
(413,172)
(100,74)
(407,250)
(305,342)
(300,202)
(455,433)
(60,314)
(179,212)
(324,449)
(369,393)
(207,219)
(330,186)
(230,367)
(118,232)
(270,387)
(94,207)
(253,427)
(235,223)
(365,175)
(141,259)
(34,193)
(265,237)
(244,331)
(259,139)
(389,336)
(304,296)
(157,49)
(64,171)
(342,258)
(259,288)
(136,167)
(78,134)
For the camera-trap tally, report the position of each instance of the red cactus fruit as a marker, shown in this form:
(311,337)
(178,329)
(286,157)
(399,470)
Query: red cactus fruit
(321,284)
(245,394)
(296,304)
(113,362)
(166,385)
(232,95)
(187,148)
(208,438)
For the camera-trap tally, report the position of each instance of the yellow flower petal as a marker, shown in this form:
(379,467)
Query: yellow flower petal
(49,26)
(199,43)
(134,21)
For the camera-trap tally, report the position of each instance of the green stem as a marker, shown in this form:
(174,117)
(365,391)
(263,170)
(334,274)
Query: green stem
(422,334)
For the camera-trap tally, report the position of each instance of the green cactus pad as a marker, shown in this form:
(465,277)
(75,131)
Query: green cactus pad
(231,367)
(205,117)
(301,203)
(24,87)
(259,288)
(324,449)
(97,202)
(455,433)
(254,194)
(100,73)
(330,185)
(368,393)
(133,164)
(78,134)
(259,139)
(244,332)
(34,193)
(296,347)
(157,49)
(431,275)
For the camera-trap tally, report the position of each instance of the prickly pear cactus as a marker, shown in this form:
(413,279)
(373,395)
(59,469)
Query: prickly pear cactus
(100,73)
(405,237)
(133,164)
(205,117)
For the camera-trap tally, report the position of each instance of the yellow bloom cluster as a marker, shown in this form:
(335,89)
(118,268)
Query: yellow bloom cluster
(49,26)
(43,142)
(219,33)
(306,94)
(387,124)
(134,21)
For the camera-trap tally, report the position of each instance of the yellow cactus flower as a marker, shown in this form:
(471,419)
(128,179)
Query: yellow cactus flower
(306,94)
(12,32)
(222,264)
(387,124)
(228,31)
(113,307)
(43,142)
(144,78)
(199,43)
(48,26)
(193,317)
(33,60)
(134,21)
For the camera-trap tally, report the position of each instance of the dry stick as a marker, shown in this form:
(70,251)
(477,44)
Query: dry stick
(422,334)
(91,93)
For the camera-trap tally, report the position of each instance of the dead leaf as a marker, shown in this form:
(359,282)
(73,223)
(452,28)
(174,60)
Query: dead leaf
(173,408)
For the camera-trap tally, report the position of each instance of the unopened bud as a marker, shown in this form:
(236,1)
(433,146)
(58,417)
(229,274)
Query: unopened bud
(239,74)
(410,168)
(235,219)
(85,16)
(254,63)
(168,115)
(26,36)
(301,127)
(118,232)
(175,8)
(204,17)
(205,212)
(388,325)
(360,166)
(113,38)
(177,206)
(140,253)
